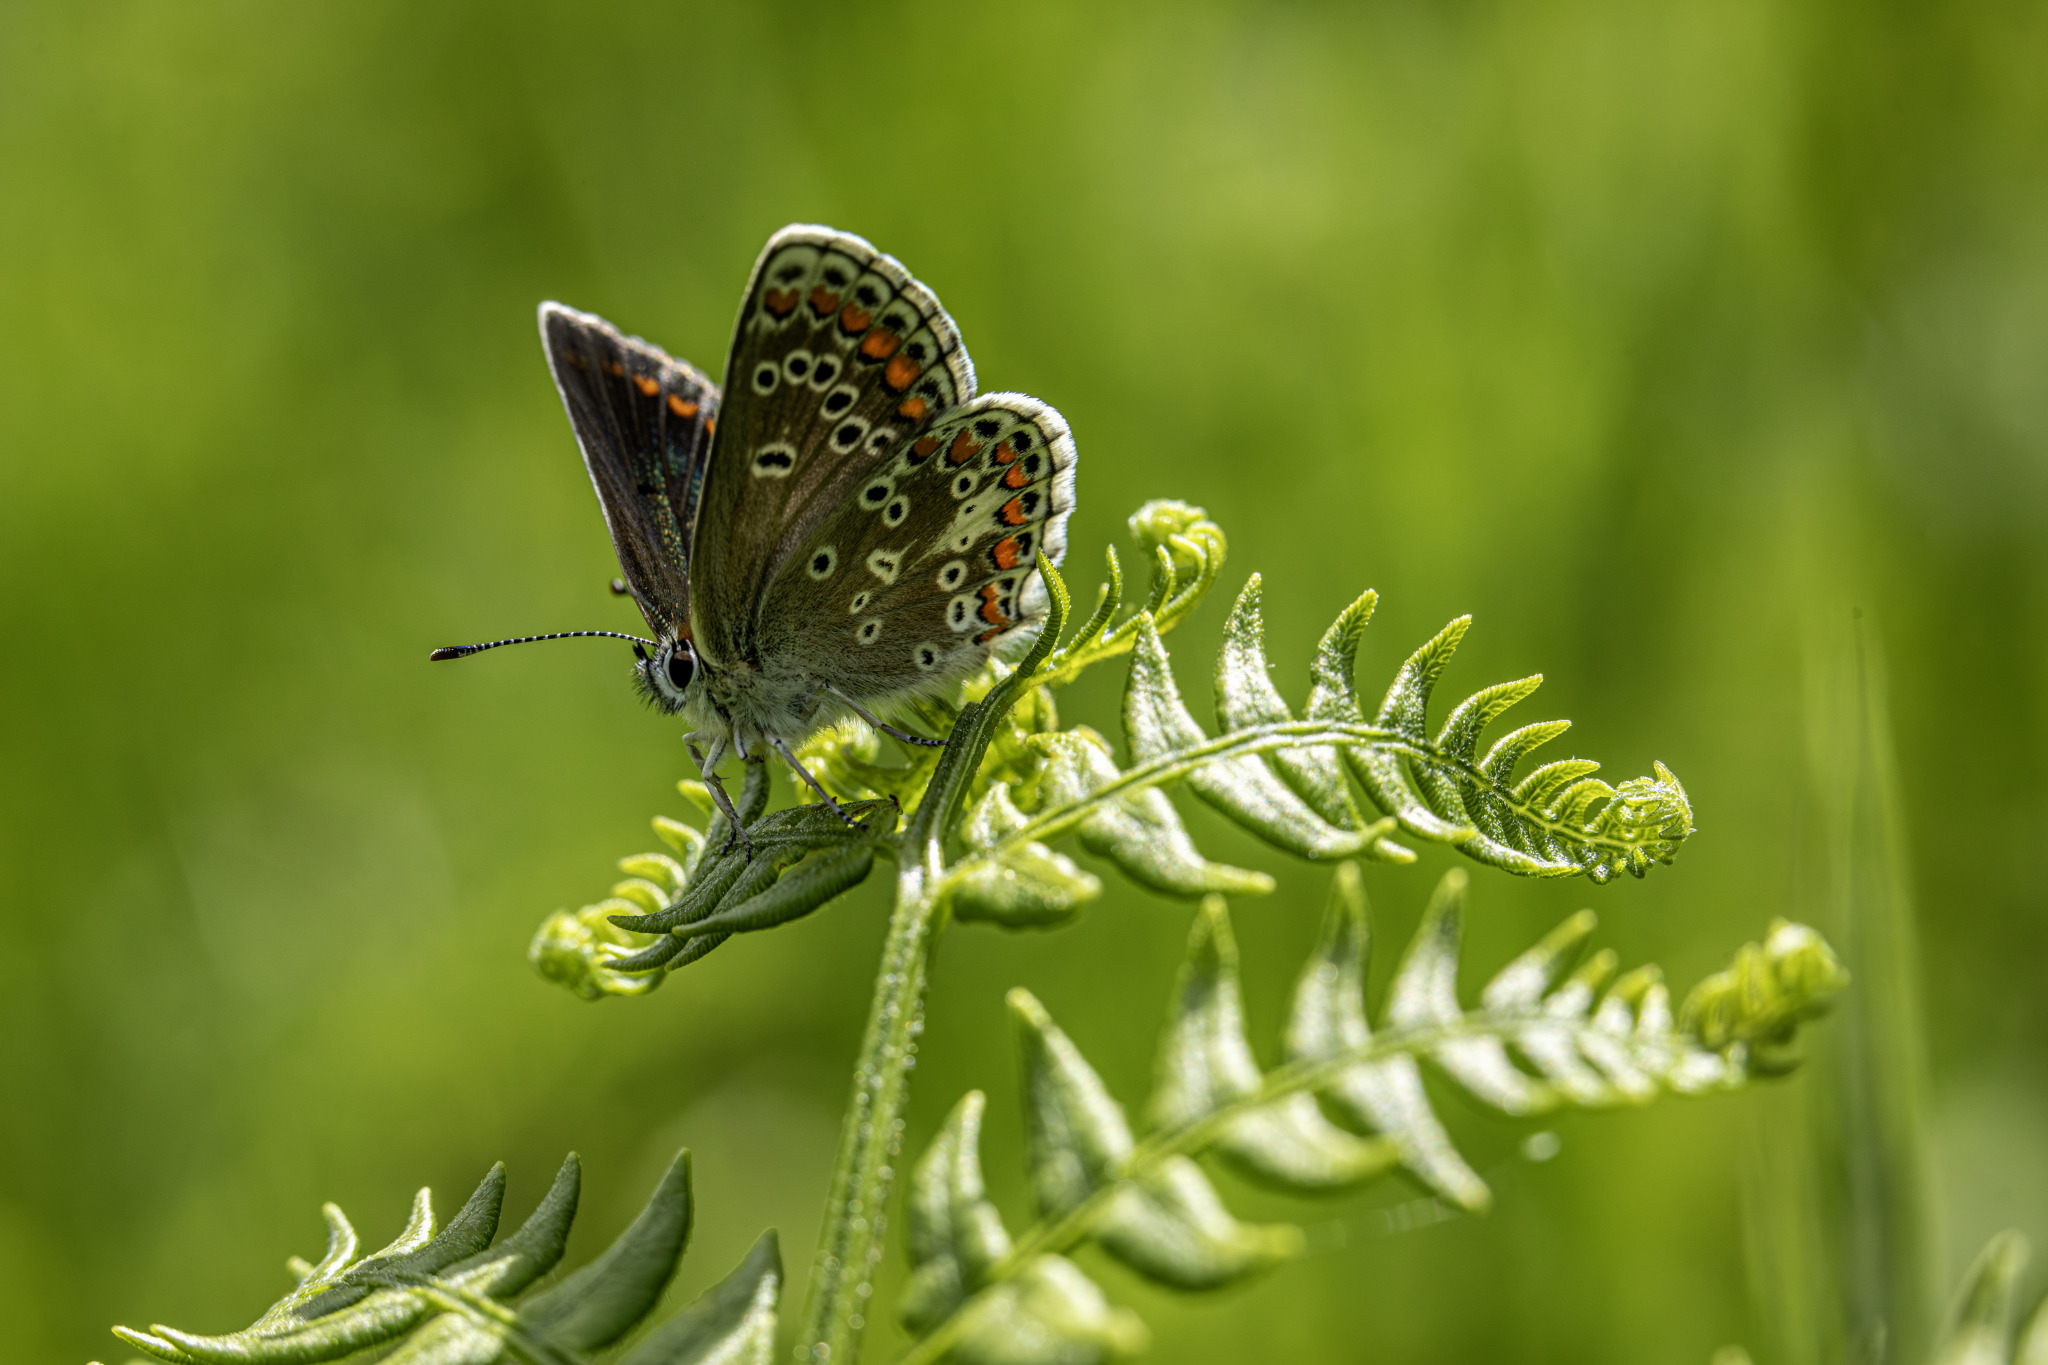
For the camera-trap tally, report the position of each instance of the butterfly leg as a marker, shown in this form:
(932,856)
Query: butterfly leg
(805,773)
(707,763)
(881,724)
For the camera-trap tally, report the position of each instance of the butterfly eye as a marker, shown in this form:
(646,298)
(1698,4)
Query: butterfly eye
(682,665)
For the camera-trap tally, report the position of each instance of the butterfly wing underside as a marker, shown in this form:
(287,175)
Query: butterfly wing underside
(866,516)
(645,423)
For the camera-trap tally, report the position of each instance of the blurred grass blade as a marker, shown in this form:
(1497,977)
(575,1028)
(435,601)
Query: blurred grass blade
(1889,1241)
(1981,1326)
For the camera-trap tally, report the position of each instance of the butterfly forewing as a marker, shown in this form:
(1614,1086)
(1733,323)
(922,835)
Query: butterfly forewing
(914,576)
(840,362)
(645,423)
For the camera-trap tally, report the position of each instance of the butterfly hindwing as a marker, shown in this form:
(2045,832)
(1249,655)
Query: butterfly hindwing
(913,577)
(840,362)
(645,423)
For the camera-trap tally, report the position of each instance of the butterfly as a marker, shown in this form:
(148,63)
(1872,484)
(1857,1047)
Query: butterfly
(845,528)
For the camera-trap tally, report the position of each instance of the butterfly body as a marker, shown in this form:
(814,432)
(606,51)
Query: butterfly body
(844,528)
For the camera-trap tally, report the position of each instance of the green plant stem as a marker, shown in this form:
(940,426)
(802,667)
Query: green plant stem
(850,1245)
(1062,1234)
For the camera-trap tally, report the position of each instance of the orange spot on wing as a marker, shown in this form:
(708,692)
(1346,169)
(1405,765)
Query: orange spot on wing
(988,635)
(648,385)
(914,408)
(710,426)
(1004,454)
(964,448)
(824,302)
(853,318)
(1007,553)
(1012,513)
(991,609)
(681,409)
(613,367)
(922,451)
(1016,478)
(780,302)
(901,373)
(880,344)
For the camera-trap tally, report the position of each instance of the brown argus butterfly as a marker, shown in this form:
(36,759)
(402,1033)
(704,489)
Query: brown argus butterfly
(846,528)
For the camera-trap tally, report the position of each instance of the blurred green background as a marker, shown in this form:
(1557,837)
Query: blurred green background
(1662,336)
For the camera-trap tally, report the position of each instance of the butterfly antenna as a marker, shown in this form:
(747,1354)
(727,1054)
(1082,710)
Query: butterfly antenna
(458,651)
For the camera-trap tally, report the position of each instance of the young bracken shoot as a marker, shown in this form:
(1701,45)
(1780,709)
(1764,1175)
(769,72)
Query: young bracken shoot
(973,832)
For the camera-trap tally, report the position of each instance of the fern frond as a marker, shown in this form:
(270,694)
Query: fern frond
(453,1298)
(1556,821)
(673,910)
(1285,779)
(1187,550)
(1145,1200)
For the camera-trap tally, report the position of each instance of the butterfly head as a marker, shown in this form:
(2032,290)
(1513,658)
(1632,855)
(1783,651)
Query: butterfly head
(668,675)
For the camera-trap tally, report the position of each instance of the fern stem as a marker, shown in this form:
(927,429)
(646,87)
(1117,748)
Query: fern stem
(1064,1233)
(851,1243)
